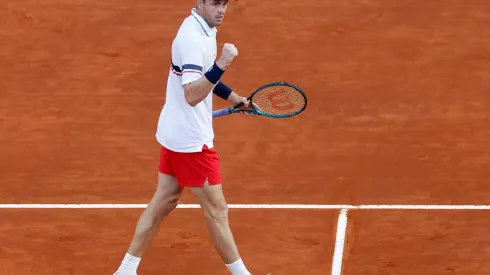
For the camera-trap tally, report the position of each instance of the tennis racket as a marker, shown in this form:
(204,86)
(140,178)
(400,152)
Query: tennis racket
(274,100)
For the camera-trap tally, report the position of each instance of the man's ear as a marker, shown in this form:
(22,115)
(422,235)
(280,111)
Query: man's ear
(199,3)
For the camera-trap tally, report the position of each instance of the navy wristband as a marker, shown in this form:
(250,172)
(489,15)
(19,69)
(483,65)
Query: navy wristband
(222,90)
(214,74)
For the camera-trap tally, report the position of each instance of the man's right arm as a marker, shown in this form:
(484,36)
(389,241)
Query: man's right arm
(198,90)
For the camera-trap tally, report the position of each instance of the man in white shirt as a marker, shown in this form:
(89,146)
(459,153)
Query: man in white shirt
(185,131)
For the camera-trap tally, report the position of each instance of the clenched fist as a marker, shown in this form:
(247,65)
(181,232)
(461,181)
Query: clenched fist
(228,53)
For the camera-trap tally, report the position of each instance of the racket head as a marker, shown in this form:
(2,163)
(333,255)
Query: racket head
(278,100)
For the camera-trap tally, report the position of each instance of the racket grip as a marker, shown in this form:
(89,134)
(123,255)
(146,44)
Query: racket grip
(221,112)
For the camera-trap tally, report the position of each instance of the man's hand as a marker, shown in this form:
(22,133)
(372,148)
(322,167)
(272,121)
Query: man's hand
(246,106)
(228,53)
(235,99)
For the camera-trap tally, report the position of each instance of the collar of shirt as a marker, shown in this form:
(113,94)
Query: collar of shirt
(209,31)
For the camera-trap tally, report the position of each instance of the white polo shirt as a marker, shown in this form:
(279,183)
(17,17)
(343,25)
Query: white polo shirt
(181,127)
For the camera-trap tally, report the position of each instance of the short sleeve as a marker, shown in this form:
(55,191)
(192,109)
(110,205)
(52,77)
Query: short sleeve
(192,60)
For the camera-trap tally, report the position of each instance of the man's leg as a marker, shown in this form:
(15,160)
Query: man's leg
(163,202)
(213,203)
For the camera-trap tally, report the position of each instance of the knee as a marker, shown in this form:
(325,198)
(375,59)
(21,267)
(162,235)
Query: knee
(165,203)
(218,212)
(170,203)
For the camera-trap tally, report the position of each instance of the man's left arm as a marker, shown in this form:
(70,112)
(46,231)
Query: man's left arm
(229,95)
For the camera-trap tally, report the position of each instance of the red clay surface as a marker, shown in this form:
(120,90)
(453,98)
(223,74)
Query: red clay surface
(420,242)
(93,242)
(398,111)
(399,104)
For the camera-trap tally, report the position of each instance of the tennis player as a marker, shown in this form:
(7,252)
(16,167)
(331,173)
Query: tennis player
(185,132)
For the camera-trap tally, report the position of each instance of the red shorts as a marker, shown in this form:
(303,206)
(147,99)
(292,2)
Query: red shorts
(191,169)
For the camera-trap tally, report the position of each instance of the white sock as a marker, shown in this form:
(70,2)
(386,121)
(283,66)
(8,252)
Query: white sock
(238,268)
(129,265)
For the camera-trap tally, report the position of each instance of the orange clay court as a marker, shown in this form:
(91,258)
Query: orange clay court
(398,114)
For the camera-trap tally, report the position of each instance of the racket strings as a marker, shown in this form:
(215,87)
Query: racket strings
(279,100)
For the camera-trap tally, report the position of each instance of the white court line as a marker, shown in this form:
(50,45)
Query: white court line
(254,206)
(339,243)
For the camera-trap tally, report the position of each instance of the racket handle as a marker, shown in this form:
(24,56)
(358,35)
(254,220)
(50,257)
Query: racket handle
(221,112)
